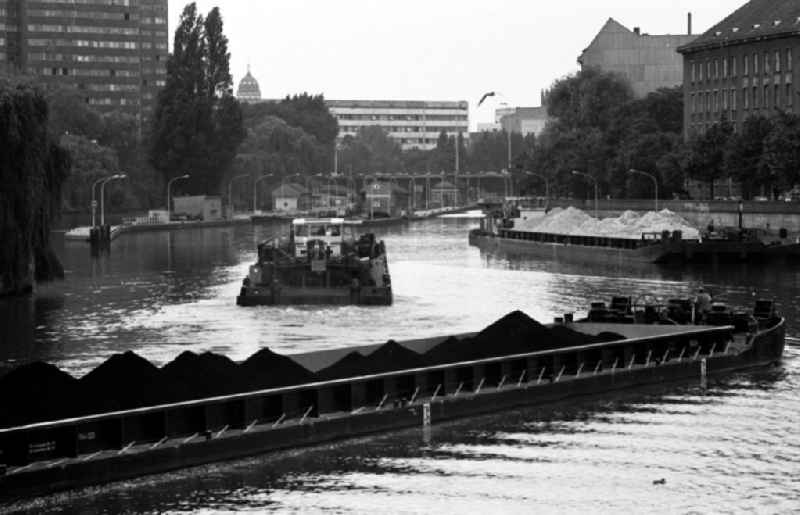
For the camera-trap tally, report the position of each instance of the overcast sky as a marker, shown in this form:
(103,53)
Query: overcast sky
(431,49)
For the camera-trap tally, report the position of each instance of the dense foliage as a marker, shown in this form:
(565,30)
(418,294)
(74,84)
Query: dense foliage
(32,169)
(198,123)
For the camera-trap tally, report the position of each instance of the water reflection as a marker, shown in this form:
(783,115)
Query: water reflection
(730,447)
(164,292)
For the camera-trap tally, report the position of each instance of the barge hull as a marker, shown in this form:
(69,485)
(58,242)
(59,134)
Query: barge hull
(242,442)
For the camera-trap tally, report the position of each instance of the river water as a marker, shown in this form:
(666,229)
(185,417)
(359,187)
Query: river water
(734,446)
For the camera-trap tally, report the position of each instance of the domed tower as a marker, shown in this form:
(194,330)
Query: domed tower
(248,89)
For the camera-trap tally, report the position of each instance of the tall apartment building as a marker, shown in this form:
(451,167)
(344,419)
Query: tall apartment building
(114,52)
(649,62)
(412,123)
(743,66)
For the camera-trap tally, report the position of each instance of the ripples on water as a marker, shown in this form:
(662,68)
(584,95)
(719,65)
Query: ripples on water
(733,447)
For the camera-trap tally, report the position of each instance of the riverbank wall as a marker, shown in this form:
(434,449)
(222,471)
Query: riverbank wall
(771,216)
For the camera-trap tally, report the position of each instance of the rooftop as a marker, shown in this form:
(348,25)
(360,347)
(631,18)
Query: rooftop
(757,19)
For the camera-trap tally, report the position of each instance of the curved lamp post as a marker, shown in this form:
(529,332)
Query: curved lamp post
(230,190)
(653,177)
(102,194)
(94,201)
(576,172)
(255,189)
(169,194)
(546,183)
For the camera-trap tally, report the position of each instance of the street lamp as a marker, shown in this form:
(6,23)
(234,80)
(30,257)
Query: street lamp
(576,172)
(653,177)
(546,183)
(169,195)
(102,194)
(94,202)
(255,189)
(230,193)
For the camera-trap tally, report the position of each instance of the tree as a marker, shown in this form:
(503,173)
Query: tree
(90,161)
(198,124)
(782,150)
(32,169)
(308,112)
(744,155)
(707,154)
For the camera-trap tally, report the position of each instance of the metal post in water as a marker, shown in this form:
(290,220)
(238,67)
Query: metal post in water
(426,415)
(683,351)
(647,360)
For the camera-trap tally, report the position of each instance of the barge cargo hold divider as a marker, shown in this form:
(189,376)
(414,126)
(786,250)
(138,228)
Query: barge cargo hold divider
(50,456)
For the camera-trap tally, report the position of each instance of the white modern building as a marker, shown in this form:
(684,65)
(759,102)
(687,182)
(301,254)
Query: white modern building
(412,123)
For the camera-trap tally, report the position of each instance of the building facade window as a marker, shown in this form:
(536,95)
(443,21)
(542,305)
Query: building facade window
(755,64)
(777,61)
(766,64)
(789,59)
(725,68)
(746,65)
(745,98)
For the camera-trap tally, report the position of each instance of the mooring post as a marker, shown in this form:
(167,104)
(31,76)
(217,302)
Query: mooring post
(560,373)
(633,360)
(614,366)
(597,367)
(647,359)
(458,390)
(541,373)
(426,415)
(666,355)
(502,382)
(280,419)
(683,351)
(306,414)
(580,369)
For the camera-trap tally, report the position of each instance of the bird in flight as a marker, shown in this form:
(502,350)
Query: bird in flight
(485,96)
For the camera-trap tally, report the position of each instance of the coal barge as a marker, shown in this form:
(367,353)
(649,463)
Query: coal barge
(322,261)
(343,393)
(667,247)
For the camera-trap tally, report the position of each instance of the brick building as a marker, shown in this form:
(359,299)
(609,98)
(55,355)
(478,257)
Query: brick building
(648,61)
(114,52)
(743,66)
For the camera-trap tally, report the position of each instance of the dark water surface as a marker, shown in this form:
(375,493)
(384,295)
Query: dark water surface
(733,447)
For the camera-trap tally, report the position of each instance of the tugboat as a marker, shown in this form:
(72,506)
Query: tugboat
(322,261)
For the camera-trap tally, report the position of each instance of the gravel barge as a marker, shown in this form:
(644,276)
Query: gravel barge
(514,362)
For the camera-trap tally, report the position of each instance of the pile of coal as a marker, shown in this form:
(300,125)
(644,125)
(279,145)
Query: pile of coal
(38,392)
(127,381)
(198,376)
(266,369)
(515,333)
(389,357)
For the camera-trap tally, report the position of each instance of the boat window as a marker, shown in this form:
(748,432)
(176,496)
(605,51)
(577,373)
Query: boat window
(301,230)
(334,230)
(317,230)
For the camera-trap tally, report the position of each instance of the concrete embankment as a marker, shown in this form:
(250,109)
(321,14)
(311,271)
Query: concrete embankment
(764,215)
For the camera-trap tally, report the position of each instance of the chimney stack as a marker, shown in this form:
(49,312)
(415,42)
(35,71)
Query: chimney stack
(636,31)
(690,23)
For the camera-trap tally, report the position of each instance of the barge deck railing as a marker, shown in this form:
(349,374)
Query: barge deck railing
(169,425)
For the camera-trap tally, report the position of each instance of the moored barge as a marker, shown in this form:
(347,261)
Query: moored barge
(667,247)
(62,454)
